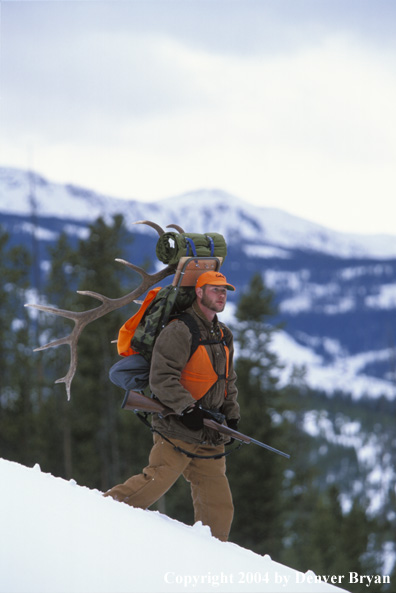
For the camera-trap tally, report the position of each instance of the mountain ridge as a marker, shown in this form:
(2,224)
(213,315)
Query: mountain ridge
(335,292)
(22,191)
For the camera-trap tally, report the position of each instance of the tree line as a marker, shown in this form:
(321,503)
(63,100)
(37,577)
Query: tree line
(284,508)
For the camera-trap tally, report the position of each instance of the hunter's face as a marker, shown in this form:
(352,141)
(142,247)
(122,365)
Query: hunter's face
(214,297)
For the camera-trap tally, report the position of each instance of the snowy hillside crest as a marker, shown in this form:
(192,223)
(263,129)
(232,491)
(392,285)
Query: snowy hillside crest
(64,538)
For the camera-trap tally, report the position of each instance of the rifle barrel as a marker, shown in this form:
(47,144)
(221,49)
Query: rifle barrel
(270,448)
(239,436)
(136,401)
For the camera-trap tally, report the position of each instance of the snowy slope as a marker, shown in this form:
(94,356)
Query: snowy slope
(213,210)
(58,537)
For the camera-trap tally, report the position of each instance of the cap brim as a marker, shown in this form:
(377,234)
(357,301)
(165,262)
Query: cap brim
(224,285)
(227,286)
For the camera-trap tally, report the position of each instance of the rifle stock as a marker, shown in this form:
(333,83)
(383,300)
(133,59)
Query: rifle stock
(135,402)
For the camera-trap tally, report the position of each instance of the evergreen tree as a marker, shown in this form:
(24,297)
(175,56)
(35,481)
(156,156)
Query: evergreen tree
(89,438)
(95,422)
(97,436)
(54,419)
(324,533)
(336,542)
(16,367)
(354,534)
(256,475)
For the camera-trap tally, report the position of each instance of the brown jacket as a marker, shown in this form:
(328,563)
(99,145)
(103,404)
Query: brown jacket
(170,355)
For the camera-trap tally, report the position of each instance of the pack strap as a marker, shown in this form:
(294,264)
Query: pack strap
(196,339)
(213,342)
(211,244)
(191,245)
(143,418)
(196,334)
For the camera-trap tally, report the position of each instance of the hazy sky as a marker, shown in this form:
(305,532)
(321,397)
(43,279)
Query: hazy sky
(285,103)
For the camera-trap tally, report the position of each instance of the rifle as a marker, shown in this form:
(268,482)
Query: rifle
(135,402)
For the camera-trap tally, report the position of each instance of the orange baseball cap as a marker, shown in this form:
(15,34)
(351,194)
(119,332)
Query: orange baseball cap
(213,278)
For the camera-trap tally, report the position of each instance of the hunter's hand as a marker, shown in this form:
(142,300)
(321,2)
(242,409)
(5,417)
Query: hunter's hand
(192,418)
(233,424)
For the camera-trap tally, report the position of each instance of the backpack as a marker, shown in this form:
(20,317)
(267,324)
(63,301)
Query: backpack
(137,336)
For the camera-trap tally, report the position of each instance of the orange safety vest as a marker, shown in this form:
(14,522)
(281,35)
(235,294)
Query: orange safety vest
(198,376)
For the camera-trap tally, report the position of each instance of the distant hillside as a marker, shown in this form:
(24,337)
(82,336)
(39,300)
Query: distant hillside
(336,292)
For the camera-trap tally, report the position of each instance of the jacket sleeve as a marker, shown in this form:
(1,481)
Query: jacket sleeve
(170,355)
(230,407)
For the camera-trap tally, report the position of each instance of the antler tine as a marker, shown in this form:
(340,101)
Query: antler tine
(137,269)
(153,225)
(175,226)
(82,318)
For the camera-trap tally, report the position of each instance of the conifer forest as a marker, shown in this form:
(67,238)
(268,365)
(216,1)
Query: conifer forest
(318,510)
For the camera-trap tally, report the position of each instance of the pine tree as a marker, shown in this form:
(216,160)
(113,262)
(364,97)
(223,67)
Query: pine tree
(54,418)
(88,438)
(256,475)
(100,434)
(17,380)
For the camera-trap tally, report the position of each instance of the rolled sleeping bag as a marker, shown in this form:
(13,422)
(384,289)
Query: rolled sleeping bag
(171,247)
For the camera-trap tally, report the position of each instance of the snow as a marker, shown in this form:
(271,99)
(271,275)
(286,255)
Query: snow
(265,251)
(343,373)
(260,227)
(369,452)
(59,537)
(385,299)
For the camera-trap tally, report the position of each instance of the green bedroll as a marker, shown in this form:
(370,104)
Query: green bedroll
(173,246)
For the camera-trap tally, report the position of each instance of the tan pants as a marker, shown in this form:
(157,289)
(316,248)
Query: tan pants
(210,490)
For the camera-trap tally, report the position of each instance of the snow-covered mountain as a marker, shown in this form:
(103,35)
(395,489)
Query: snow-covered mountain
(336,292)
(255,228)
(64,537)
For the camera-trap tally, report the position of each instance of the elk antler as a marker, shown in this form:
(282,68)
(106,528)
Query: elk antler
(81,319)
(153,225)
(175,226)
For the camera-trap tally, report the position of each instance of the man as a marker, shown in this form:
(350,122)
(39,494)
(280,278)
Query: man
(190,384)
